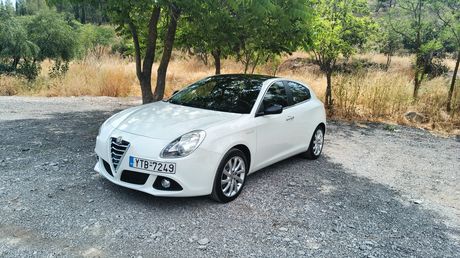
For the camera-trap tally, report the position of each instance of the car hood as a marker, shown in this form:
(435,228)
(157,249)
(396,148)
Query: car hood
(163,120)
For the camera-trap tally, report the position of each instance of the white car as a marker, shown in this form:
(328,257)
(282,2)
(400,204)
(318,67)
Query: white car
(207,138)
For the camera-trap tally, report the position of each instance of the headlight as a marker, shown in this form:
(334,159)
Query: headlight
(183,145)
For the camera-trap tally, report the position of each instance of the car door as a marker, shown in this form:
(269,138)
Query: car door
(301,108)
(273,131)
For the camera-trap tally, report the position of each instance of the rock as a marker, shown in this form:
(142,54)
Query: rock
(417,201)
(415,117)
(368,243)
(202,247)
(292,184)
(365,247)
(90,200)
(193,238)
(203,241)
(157,234)
(300,252)
(283,229)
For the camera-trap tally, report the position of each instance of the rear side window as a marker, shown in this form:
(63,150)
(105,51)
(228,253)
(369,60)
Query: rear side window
(299,92)
(276,94)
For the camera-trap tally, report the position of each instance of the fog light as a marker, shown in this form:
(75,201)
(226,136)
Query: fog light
(165,183)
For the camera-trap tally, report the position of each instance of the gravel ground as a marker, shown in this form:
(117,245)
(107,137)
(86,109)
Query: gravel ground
(374,193)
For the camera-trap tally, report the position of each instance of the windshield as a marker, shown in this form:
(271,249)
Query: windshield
(235,94)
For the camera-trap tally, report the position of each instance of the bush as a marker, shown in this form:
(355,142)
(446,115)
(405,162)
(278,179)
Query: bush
(92,36)
(59,69)
(29,70)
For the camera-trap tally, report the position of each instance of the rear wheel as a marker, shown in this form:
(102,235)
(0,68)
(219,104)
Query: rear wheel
(316,144)
(230,176)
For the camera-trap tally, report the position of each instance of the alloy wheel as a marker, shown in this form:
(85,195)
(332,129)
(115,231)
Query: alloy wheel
(318,142)
(234,173)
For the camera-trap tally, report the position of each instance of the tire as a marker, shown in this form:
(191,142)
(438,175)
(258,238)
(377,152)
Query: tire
(317,141)
(235,165)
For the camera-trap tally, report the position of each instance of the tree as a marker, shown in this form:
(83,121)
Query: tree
(92,37)
(252,31)
(209,30)
(448,11)
(420,30)
(142,20)
(85,11)
(389,40)
(339,28)
(15,46)
(53,35)
(269,28)
(7,7)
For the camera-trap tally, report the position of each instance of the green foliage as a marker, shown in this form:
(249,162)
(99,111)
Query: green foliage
(15,46)
(14,41)
(339,28)
(29,69)
(92,36)
(448,12)
(30,7)
(85,11)
(253,31)
(389,40)
(59,69)
(420,29)
(53,35)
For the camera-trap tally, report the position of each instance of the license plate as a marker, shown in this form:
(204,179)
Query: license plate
(151,165)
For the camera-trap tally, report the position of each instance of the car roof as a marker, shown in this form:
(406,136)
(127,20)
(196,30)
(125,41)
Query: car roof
(261,78)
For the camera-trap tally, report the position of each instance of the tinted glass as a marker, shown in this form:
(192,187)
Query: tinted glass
(234,94)
(299,92)
(276,94)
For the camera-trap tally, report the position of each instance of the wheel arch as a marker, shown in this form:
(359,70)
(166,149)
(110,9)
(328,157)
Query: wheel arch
(322,126)
(246,151)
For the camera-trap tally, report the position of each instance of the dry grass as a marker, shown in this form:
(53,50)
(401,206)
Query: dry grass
(372,95)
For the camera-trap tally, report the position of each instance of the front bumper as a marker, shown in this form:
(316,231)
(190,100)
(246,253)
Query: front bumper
(194,173)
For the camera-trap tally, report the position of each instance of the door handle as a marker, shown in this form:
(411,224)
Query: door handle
(289,118)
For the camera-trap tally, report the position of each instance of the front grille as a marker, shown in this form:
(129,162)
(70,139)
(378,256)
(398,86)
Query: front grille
(133,177)
(118,151)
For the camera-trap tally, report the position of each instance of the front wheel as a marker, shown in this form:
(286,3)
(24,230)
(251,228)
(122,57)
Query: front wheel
(316,144)
(230,176)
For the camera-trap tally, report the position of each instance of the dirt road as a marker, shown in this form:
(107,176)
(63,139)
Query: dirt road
(375,192)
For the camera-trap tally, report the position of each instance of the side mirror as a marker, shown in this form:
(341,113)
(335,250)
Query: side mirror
(273,110)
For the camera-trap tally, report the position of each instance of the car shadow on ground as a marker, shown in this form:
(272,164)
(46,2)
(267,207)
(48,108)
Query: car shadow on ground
(319,201)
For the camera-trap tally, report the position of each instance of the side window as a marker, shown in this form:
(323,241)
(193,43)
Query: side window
(276,94)
(299,92)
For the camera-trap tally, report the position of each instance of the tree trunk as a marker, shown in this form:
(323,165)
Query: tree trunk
(328,101)
(144,71)
(255,63)
(167,50)
(452,84)
(146,88)
(15,63)
(216,54)
(83,13)
(387,66)
(418,77)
